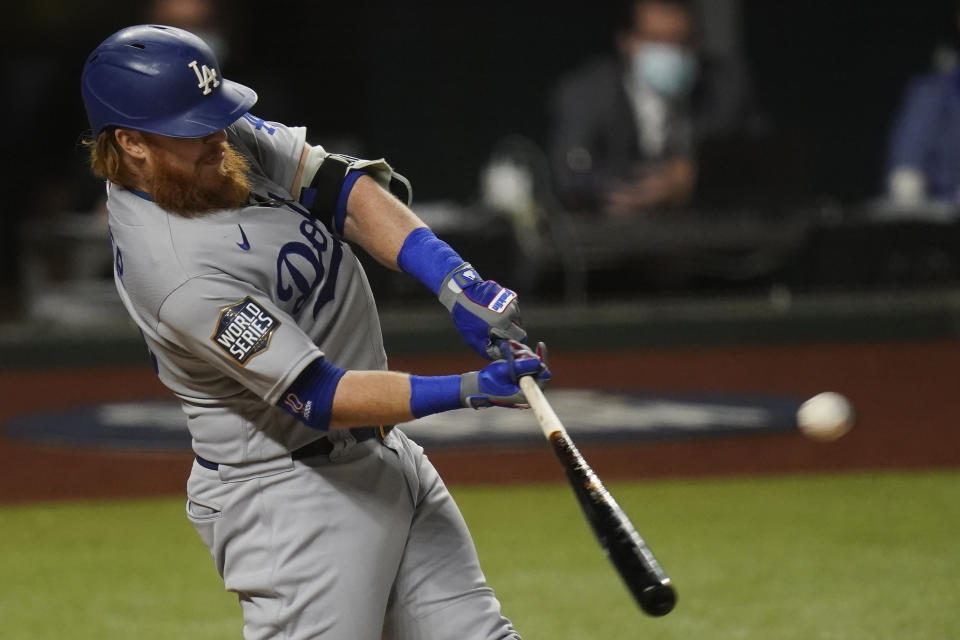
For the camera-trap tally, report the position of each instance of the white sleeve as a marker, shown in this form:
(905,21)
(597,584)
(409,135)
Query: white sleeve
(239,331)
(273,149)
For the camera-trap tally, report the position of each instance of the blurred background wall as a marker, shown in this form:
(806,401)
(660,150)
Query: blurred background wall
(433,85)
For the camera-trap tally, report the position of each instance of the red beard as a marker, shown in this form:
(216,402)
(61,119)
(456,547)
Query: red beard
(180,191)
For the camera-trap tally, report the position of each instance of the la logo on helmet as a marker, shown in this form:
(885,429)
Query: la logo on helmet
(205,76)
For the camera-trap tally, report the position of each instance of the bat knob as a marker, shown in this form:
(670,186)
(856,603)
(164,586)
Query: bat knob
(658,599)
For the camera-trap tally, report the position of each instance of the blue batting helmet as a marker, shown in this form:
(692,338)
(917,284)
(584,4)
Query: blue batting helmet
(160,80)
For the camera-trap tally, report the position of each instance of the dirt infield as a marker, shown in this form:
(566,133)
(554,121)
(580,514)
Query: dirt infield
(905,394)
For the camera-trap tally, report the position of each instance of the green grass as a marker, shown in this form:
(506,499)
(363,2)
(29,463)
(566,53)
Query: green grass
(869,556)
(804,557)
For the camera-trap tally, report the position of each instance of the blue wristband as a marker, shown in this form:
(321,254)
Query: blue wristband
(310,397)
(427,258)
(434,394)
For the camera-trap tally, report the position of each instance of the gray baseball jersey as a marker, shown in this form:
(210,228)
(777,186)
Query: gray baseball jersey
(227,334)
(364,543)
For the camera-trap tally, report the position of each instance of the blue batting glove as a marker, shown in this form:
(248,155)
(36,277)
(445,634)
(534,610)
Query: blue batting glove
(497,384)
(484,312)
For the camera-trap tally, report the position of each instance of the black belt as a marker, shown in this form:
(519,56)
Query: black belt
(320,447)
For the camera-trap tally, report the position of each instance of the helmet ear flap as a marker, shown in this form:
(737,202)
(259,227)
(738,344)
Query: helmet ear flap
(161,80)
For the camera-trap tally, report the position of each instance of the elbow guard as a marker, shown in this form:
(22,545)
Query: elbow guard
(331,176)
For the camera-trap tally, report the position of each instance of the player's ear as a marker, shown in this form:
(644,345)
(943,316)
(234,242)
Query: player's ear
(132,142)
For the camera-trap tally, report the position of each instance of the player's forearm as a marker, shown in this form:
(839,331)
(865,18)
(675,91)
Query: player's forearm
(378,222)
(325,396)
(365,398)
(386,397)
(399,240)
(371,398)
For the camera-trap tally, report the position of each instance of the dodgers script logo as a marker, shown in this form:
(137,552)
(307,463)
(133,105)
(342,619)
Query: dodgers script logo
(205,77)
(244,329)
(300,268)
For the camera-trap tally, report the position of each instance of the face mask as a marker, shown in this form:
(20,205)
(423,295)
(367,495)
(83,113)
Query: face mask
(667,69)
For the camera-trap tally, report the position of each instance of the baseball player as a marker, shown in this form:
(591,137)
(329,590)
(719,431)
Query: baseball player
(229,235)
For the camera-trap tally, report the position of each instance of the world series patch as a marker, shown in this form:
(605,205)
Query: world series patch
(244,329)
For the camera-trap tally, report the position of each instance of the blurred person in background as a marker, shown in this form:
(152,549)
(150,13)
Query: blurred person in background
(923,159)
(625,127)
(201,17)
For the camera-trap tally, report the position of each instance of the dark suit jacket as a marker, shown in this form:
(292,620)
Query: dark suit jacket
(594,133)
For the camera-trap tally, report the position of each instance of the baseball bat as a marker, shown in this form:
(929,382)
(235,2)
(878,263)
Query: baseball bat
(633,560)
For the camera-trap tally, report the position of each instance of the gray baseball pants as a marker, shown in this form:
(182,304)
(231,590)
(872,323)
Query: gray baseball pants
(363,544)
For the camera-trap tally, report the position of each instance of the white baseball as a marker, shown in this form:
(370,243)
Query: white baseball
(825,417)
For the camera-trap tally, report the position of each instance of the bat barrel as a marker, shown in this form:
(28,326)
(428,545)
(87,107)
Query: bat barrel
(658,599)
(633,560)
